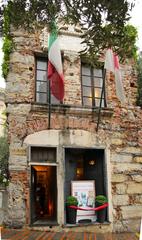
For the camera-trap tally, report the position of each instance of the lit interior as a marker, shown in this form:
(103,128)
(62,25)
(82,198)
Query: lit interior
(43,193)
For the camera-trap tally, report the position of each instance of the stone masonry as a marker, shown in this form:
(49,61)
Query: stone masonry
(120,129)
(2,110)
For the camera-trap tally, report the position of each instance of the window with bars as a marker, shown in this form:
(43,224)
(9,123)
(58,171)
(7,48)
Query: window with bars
(42,83)
(92,83)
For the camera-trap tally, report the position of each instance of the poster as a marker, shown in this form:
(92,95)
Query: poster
(84,191)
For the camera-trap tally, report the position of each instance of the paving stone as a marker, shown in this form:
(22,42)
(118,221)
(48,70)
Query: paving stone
(12,234)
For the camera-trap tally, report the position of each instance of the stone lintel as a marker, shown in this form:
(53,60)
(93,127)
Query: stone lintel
(71,109)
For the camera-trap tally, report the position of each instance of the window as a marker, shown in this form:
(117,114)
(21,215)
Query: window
(85,164)
(92,82)
(43,155)
(42,83)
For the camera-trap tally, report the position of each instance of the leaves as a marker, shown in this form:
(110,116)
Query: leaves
(139,70)
(4,154)
(104,21)
(8,42)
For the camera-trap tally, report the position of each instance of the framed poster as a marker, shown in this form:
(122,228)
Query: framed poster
(84,191)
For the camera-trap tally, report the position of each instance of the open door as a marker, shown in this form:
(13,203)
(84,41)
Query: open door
(43,195)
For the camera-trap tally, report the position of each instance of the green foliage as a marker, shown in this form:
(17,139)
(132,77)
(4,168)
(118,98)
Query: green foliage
(139,70)
(71,201)
(4,181)
(7,49)
(101,199)
(8,42)
(129,42)
(4,155)
(103,21)
(6,21)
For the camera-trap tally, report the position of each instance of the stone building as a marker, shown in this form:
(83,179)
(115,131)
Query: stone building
(3,196)
(70,148)
(2,110)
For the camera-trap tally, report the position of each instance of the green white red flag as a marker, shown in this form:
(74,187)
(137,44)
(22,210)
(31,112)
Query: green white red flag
(55,70)
(112,64)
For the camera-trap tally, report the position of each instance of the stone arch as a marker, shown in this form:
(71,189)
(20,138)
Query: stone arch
(76,138)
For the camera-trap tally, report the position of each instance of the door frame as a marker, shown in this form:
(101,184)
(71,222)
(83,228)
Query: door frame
(30,199)
(30,164)
(107,174)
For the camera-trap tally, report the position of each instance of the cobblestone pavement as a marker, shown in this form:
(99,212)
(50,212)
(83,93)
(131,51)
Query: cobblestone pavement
(12,234)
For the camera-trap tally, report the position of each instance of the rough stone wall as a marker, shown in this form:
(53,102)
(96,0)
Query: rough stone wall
(18,199)
(2,110)
(3,204)
(120,129)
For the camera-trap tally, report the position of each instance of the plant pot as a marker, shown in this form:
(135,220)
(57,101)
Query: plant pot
(101,214)
(71,215)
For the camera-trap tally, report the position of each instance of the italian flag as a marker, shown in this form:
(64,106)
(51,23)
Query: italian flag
(55,70)
(112,64)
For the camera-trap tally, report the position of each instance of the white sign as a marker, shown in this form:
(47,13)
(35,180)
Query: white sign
(84,191)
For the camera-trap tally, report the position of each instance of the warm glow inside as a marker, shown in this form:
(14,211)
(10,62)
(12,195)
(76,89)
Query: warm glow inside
(44,178)
(92,162)
(80,169)
(41,168)
(97,93)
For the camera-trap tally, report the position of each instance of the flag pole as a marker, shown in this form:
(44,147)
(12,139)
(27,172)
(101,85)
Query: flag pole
(100,106)
(49,105)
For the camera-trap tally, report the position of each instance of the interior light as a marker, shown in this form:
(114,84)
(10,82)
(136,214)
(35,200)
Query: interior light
(91,162)
(97,93)
(78,171)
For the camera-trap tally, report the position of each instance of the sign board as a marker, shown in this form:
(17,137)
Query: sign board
(84,191)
